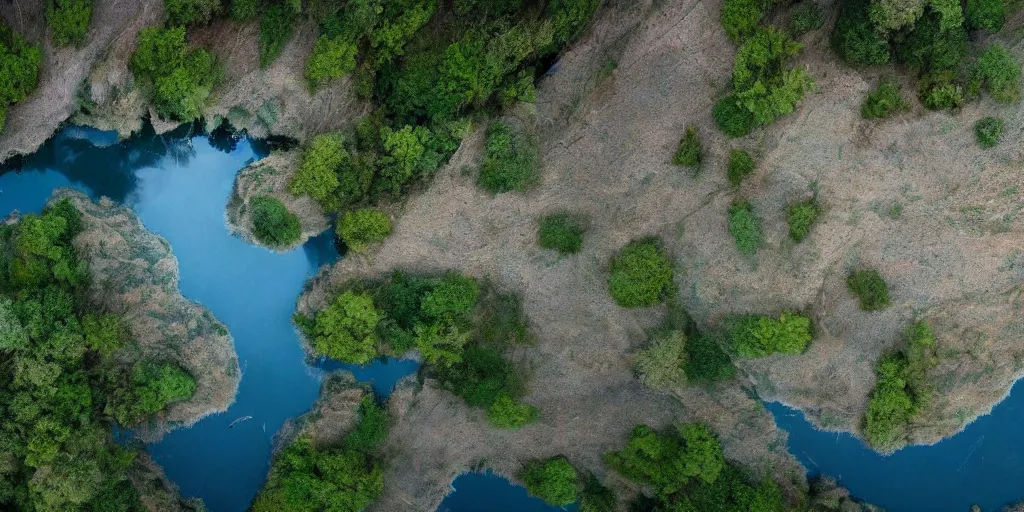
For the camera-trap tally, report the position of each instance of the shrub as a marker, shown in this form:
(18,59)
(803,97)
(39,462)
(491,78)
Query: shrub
(510,162)
(68,21)
(988,131)
(562,232)
(855,39)
(641,274)
(661,363)
(345,331)
(275,32)
(734,120)
(801,216)
(884,101)
(745,228)
(870,289)
(985,14)
(688,154)
(668,461)
(245,10)
(760,79)
(740,18)
(190,12)
(273,224)
(454,295)
(181,78)
(317,177)
(371,427)
(360,228)
(901,390)
(740,166)
(596,497)
(932,47)
(506,412)
(21,63)
(482,378)
(154,386)
(706,361)
(892,15)
(940,91)
(332,58)
(756,336)
(553,480)
(806,17)
(999,72)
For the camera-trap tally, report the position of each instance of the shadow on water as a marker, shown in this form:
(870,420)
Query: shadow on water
(178,184)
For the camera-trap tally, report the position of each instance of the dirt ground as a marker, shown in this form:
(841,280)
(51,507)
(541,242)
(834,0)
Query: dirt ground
(912,196)
(135,274)
(270,177)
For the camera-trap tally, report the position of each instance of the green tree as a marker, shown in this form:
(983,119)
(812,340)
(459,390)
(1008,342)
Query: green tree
(68,21)
(669,461)
(345,331)
(403,158)
(988,131)
(758,336)
(562,232)
(317,177)
(741,18)
(892,15)
(273,225)
(661,364)
(511,160)
(999,73)
(181,79)
(20,63)
(331,59)
(641,274)
(801,216)
(884,101)
(506,412)
(553,480)
(985,14)
(275,32)
(761,81)
(870,288)
(361,228)
(740,166)
(855,38)
(190,12)
(745,228)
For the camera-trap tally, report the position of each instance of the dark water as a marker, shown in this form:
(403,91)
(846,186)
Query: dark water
(179,184)
(487,492)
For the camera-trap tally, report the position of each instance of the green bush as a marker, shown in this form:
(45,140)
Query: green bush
(734,120)
(901,391)
(688,154)
(756,336)
(181,78)
(891,15)
(361,228)
(762,83)
(932,46)
(884,101)
(745,228)
(317,177)
(706,361)
(801,216)
(345,331)
(553,480)
(985,14)
(273,225)
(68,21)
(740,18)
(661,363)
(641,274)
(506,412)
(511,161)
(562,232)
(21,63)
(371,428)
(275,32)
(855,39)
(332,58)
(870,289)
(940,91)
(806,17)
(191,12)
(740,166)
(596,497)
(999,73)
(668,461)
(988,131)
(245,10)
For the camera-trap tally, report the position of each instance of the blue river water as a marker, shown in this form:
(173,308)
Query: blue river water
(179,184)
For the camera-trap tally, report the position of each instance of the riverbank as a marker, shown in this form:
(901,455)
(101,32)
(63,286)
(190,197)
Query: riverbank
(135,273)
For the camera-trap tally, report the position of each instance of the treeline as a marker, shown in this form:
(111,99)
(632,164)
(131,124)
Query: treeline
(462,329)
(67,376)
(20,63)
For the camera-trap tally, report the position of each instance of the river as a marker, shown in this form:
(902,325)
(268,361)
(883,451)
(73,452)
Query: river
(179,184)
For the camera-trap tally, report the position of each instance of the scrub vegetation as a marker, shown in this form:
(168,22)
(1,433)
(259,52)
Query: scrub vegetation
(562,232)
(801,216)
(463,329)
(21,63)
(678,354)
(988,131)
(759,336)
(901,391)
(885,101)
(689,153)
(740,166)
(67,378)
(745,228)
(641,275)
(347,477)
(510,163)
(870,289)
